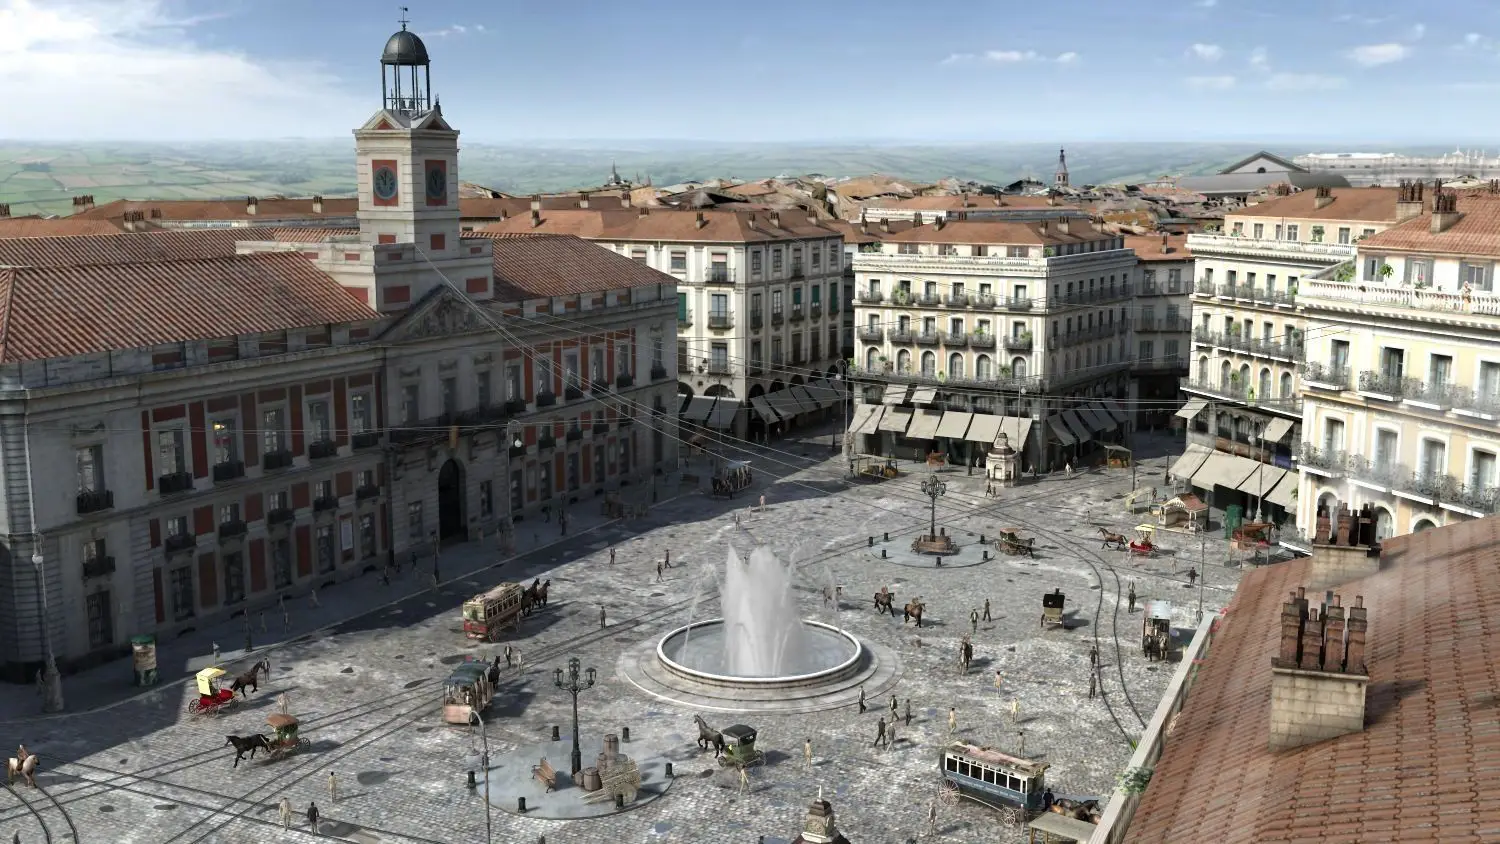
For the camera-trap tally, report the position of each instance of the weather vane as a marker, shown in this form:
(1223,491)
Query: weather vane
(404,20)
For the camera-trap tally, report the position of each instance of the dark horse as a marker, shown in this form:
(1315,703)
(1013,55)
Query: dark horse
(885,602)
(912,611)
(244,744)
(708,736)
(251,678)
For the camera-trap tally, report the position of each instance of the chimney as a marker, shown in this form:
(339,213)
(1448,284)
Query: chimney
(644,212)
(1051,199)
(1283,189)
(1494,186)
(155,213)
(1062,224)
(775,219)
(999,200)
(4,210)
(583,199)
(864,227)
(625,199)
(252,204)
(1444,210)
(939,223)
(1043,227)
(536,202)
(1408,200)
(963,199)
(701,221)
(1165,249)
(1323,198)
(885,225)
(916,219)
(750,220)
(1343,547)
(536,218)
(317,204)
(1318,677)
(503,215)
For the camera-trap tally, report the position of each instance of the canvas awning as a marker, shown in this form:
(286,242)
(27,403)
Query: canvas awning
(1222,469)
(896,419)
(698,409)
(1108,421)
(955,423)
(1098,420)
(724,412)
(805,398)
(1277,430)
(984,428)
(924,424)
(861,417)
(1061,431)
(1191,409)
(871,422)
(1075,424)
(895,393)
(768,416)
(1017,429)
(1262,479)
(782,402)
(1285,493)
(1116,411)
(924,395)
(1190,461)
(825,394)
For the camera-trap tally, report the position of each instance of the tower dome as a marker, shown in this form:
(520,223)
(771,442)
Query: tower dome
(406,73)
(404,48)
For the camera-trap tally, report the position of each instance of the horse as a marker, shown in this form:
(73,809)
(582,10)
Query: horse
(1118,540)
(884,602)
(25,767)
(911,611)
(541,594)
(251,678)
(708,737)
(243,744)
(965,656)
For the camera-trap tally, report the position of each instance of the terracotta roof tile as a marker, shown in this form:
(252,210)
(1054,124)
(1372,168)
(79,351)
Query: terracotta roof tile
(1364,205)
(223,209)
(530,266)
(1148,247)
(961,202)
(487,208)
(659,224)
(1420,770)
(1476,233)
(49,312)
(54,227)
(155,245)
(1000,232)
(870,231)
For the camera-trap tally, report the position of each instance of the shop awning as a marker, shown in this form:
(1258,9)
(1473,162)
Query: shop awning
(1222,469)
(1060,430)
(895,393)
(1285,493)
(764,411)
(1190,461)
(1075,424)
(805,398)
(1105,419)
(984,428)
(1098,420)
(861,417)
(1191,409)
(698,409)
(782,402)
(924,424)
(1277,430)
(1116,411)
(825,394)
(1017,429)
(724,412)
(1262,479)
(955,424)
(924,395)
(896,419)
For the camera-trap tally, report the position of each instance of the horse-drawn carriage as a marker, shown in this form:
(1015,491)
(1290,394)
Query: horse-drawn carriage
(211,697)
(488,613)
(1144,544)
(1052,609)
(467,691)
(284,738)
(1009,784)
(1156,630)
(739,748)
(1009,541)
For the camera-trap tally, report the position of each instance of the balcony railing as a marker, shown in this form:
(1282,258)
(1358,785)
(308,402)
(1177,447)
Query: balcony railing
(228,470)
(927,338)
(94,500)
(546,441)
(280,516)
(872,335)
(1485,402)
(1436,393)
(232,529)
(980,340)
(757,321)
(778,317)
(370,439)
(325,503)
(902,335)
(177,543)
(796,271)
(719,367)
(998,382)
(871,297)
(365,493)
(1234,389)
(719,274)
(1329,460)
(929,300)
(546,398)
(658,371)
(957,300)
(1018,304)
(685,316)
(720,320)
(981,300)
(1204,287)
(1325,376)
(1199,244)
(273,460)
(322,450)
(572,392)
(574,434)
(174,482)
(798,314)
(1018,343)
(624,380)
(954,338)
(1381,383)
(1382,296)
(98,567)
(1172,324)
(1165,364)
(815,309)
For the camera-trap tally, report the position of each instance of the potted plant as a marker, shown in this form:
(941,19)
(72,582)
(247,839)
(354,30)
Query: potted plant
(1005,371)
(1317,234)
(1386,271)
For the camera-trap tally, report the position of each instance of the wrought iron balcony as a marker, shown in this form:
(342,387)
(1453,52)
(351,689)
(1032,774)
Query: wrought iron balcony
(174,482)
(1172,324)
(600,429)
(719,367)
(927,338)
(756,367)
(872,335)
(279,459)
(572,392)
(515,407)
(1203,287)
(228,470)
(981,300)
(325,503)
(778,318)
(902,335)
(719,274)
(1018,343)
(815,310)
(833,307)
(1325,376)
(685,316)
(1436,393)
(180,542)
(757,321)
(322,450)
(94,500)
(720,320)
(929,300)
(1233,389)
(1018,304)
(624,380)
(546,398)
(232,529)
(574,434)
(871,297)
(280,516)
(954,338)
(658,371)
(1475,401)
(546,441)
(1381,383)
(982,340)
(796,271)
(365,493)
(98,567)
(957,300)
(798,314)
(370,439)
(1329,460)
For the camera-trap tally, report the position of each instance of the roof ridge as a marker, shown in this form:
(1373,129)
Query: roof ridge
(7,294)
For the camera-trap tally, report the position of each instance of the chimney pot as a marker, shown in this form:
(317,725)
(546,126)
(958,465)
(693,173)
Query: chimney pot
(536,202)
(536,218)
(938,223)
(916,219)
(583,199)
(1301,592)
(252,204)
(701,221)
(317,204)
(645,212)
(1359,601)
(775,219)
(4,210)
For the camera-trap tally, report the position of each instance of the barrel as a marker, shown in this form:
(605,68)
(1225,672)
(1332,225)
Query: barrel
(591,781)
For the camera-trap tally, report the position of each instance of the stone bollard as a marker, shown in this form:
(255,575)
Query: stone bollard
(872,542)
(554,733)
(625,734)
(521,805)
(669,771)
(887,536)
(940,562)
(981,539)
(986,555)
(883,554)
(619,801)
(471,779)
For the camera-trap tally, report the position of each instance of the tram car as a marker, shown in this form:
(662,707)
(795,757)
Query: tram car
(485,615)
(995,779)
(467,691)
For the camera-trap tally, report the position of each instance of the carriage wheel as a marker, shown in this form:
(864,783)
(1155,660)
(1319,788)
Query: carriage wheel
(195,706)
(302,742)
(758,761)
(1010,817)
(948,796)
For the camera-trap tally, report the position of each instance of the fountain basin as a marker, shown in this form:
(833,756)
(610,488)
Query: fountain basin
(696,652)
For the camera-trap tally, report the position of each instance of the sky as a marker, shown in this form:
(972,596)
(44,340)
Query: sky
(935,71)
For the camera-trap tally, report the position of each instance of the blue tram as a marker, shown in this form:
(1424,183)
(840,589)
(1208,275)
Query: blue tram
(988,776)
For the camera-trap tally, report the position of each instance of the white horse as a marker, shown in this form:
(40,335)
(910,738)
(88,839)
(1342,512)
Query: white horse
(26,768)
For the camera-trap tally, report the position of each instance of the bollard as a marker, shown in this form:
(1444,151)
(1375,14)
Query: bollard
(883,554)
(521,805)
(471,779)
(872,542)
(624,734)
(940,562)
(986,555)
(981,539)
(619,801)
(554,733)
(669,770)
(887,536)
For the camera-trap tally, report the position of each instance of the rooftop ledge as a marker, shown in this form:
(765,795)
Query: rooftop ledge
(1352,295)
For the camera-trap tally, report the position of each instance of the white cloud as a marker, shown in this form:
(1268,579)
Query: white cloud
(1371,20)
(455,29)
(1260,59)
(1010,56)
(1206,4)
(1207,52)
(1210,83)
(1007,57)
(128,69)
(1371,55)
(958,58)
(1417,31)
(1067,58)
(1476,41)
(1304,82)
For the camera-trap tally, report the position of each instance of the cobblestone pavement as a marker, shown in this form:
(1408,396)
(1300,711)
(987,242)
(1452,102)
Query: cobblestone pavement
(368,689)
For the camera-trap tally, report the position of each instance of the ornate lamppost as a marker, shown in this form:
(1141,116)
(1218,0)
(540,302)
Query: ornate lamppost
(51,680)
(934,488)
(572,683)
(484,763)
(513,444)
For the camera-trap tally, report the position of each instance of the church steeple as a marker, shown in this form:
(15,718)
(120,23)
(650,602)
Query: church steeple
(1060,178)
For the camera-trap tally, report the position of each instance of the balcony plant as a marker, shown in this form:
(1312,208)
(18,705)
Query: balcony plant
(1317,234)
(902,296)
(1345,273)
(1386,271)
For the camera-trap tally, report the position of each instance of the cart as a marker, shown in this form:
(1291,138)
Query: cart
(739,748)
(1144,544)
(1252,536)
(284,739)
(1052,609)
(875,468)
(210,698)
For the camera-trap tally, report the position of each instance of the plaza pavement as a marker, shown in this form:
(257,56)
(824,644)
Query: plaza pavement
(367,688)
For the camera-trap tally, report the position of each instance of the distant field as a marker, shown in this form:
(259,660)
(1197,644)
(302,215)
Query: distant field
(37,178)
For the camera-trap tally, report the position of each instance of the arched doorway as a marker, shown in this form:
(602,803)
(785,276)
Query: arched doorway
(450,499)
(1385,524)
(1423,524)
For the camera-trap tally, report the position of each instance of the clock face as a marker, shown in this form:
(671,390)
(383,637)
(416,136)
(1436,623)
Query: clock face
(437,183)
(384,183)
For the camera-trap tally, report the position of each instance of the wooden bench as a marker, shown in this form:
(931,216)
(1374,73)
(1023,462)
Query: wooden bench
(545,774)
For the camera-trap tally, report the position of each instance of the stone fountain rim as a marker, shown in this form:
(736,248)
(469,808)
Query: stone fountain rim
(837,670)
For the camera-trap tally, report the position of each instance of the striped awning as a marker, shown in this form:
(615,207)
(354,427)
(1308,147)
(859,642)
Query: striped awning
(1075,424)
(1285,493)
(782,402)
(895,393)
(861,417)
(1116,411)
(724,413)
(984,428)
(764,411)
(1277,430)
(1016,429)
(955,423)
(924,424)
(896,419)
(699,408)
(1060,430)
(1097,422)
(1220,469)
(1262,479)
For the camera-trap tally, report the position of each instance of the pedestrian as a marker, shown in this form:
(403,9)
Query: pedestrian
(987,610)
(262,621)
(1048,798)
(333,788)
(314,596)
(284,703)
(601,616)
(1093,685)
(1094,655)
(997,678)
(890,733)
(312,817)
(509,654)
(611,555)
(974,621)
(880,735)
(286,813)
(658,572)
(908,712)
(861,700)
(953,719)
(216,651)
(1069,468)
(744,781)
(894,707)
(807,752)
(763,503)
(1132,596)
(932,817)
(667,559)
(1192,575)
(562,522)
(1015,710)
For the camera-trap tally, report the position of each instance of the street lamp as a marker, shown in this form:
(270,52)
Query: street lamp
(843,366)
(52,697)
(513,444)
(572,683)
(934,488)
(1260,474)
(484,762)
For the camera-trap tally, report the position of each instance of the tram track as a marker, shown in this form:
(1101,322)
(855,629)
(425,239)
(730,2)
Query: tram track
(41,819)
